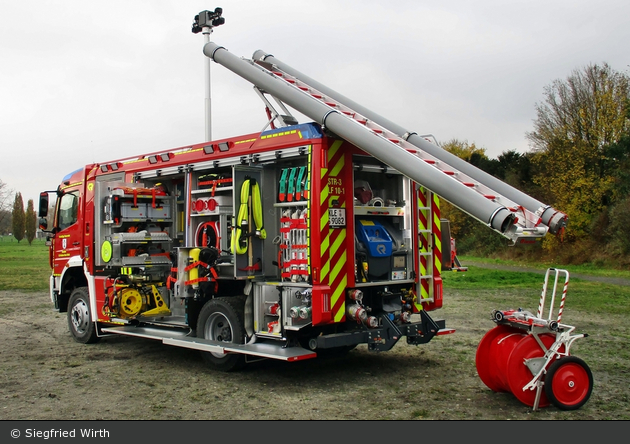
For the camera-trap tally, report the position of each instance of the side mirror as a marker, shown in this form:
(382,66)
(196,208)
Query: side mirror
(43,205)
(43,223)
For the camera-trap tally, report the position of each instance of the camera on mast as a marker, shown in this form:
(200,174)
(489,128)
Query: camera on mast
(208,19)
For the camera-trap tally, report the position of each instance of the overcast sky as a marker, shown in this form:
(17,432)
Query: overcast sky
(85,81)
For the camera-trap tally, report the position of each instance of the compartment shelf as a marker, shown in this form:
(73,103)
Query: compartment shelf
(378,211)
(209,190)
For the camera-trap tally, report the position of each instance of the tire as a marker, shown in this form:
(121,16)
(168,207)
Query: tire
(569,383)
(80,323)
(222,319)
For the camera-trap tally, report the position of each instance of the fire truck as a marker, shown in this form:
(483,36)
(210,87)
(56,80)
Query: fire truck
(288,243)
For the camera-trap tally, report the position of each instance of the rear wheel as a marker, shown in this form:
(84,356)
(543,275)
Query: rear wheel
(80,322)
(569,383)
(221,319)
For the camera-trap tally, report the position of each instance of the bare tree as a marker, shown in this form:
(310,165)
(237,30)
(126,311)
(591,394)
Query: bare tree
(5,207)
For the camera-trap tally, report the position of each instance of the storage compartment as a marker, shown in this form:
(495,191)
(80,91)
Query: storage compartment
(161,211)
(136,212)
(137,225)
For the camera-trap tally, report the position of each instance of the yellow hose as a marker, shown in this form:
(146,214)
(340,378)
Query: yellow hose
(237,246)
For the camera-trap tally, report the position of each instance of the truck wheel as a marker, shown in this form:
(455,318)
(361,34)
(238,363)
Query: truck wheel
(80,322)
(221,319)
(569,383)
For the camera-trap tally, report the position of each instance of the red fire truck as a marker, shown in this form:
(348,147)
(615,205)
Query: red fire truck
(283,244)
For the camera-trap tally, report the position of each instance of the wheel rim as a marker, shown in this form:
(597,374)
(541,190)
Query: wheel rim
(80,316)
(570,384)
(218,328)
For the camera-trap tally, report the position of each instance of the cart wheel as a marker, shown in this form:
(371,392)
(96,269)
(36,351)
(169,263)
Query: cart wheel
(569,383)
(492,354)
(519,375)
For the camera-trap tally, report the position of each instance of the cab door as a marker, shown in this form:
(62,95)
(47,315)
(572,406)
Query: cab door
(68,238)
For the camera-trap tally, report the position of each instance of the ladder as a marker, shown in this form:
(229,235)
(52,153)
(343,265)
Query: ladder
(527,227)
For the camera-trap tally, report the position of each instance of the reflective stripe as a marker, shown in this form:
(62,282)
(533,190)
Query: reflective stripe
(423,246)
(332,249)
(437,236)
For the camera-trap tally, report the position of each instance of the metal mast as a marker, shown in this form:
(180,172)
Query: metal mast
(204,22)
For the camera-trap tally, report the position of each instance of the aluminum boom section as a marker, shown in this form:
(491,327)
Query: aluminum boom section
(551,217)
(498,217)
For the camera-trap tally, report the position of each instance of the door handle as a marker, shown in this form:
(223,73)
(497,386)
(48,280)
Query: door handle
(76,243)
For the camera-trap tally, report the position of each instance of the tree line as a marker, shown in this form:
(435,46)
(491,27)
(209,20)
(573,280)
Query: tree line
(578,162)
(23,224)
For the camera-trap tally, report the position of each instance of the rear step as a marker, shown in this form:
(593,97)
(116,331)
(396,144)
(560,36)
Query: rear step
(179,339)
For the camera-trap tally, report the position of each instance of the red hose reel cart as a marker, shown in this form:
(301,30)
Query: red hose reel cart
(528,355)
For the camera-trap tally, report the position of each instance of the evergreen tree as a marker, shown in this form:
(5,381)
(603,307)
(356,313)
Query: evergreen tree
(30,222)
(19,217)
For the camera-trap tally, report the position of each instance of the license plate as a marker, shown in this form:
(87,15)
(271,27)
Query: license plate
(337,217)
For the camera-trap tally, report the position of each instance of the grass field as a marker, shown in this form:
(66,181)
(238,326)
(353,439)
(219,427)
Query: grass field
(48,376)
(595,297)
(592,269)
(23,266)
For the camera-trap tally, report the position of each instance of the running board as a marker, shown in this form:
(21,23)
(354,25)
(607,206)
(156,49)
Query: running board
(180,339)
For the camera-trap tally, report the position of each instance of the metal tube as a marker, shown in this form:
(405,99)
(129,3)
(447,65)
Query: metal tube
(551,217)
(496,216)
(208,102)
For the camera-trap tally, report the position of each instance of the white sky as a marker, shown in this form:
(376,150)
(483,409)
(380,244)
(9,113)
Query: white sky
(85,81)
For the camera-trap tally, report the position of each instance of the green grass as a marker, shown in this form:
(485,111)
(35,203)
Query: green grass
(23,266)
(481,278)
(594,297)
(592,269)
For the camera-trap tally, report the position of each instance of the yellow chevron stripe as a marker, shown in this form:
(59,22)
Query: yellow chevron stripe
(338,242)
(325,218)
(338,267)
(337,168)
(326,265)
(335,297)
(438,243)
(334,148)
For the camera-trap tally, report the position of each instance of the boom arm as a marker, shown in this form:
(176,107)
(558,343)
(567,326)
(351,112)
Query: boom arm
(551,217)
(496,211)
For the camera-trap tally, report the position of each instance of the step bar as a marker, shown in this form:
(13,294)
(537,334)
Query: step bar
(179,338)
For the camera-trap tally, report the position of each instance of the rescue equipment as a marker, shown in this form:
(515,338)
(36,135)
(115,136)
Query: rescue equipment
(251,207)
(525,353)
(208,234)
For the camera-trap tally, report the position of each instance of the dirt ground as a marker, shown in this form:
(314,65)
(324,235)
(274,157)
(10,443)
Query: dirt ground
(46,375)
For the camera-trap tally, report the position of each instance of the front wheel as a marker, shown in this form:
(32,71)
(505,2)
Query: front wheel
(80,322)
(569,383)
(221,319)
